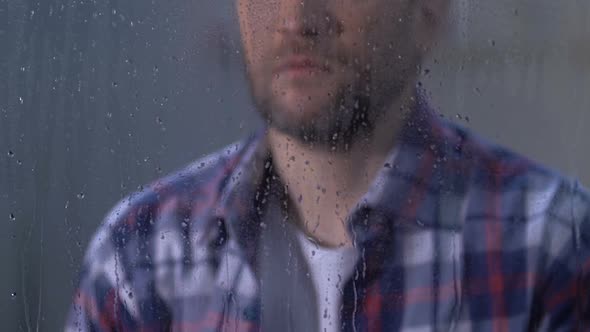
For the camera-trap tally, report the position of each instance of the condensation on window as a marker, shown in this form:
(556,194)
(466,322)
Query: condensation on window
(100,98)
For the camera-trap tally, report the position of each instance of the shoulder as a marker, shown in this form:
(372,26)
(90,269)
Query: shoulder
(501,184)
(192,190)
(552,210)
(497,169)
(146,229)
(536,217)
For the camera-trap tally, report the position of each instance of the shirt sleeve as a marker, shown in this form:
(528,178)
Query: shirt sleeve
(102,300)
(95,306)
(565,299)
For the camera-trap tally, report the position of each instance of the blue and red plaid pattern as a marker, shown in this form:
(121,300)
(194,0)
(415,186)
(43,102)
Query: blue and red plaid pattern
(456,234)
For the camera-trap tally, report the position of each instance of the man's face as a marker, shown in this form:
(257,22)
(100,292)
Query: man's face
(320,69)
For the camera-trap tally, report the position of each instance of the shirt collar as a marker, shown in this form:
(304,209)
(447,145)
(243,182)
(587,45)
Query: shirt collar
(395,199)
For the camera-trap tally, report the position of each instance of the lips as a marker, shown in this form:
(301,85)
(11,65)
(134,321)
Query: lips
(301,64)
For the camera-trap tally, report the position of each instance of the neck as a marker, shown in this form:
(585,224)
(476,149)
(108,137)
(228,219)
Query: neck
(326,185)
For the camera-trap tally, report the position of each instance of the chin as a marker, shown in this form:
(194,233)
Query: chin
(301,112)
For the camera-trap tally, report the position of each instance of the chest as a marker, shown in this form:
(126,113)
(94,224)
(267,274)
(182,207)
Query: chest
(431,281)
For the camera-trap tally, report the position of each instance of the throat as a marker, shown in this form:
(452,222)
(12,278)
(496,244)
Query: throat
(324,217)
(323,187)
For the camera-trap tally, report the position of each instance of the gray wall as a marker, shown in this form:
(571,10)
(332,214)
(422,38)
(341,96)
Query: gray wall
(99,97)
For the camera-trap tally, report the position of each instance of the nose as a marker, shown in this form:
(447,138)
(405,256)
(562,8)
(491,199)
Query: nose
(303,18)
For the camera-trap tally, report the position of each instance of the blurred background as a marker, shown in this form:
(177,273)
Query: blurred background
(100,97)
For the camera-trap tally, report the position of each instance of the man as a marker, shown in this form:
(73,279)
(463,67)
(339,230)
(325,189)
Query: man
(355,209)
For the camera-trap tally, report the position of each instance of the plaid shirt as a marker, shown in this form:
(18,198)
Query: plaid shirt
(455,234)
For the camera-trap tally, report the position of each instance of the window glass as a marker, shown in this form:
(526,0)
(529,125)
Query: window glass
(98,99)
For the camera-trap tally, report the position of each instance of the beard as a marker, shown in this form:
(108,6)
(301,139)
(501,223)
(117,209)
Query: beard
(348,116)
(338,126)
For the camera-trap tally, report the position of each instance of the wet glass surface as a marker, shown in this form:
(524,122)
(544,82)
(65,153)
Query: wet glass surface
(100,98)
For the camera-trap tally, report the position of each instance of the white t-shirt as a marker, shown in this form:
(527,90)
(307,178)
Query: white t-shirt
(330,269)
